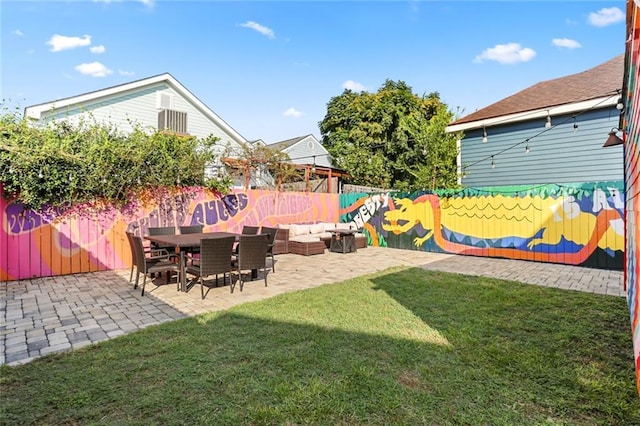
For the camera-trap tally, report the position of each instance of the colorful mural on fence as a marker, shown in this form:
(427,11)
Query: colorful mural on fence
(36,245)
(578,224)
(632,176)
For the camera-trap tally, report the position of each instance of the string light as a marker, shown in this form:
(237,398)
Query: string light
(527,149)
(493,163)
(547,125)
(484,135)
(575,129)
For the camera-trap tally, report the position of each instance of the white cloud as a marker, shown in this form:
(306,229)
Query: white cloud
(97,49)
(259,28)
(606,16)
(354,86)
(509,53)
(17,33)
(94,69)
(126,73)
(292,112)
(566,42)
(59,42)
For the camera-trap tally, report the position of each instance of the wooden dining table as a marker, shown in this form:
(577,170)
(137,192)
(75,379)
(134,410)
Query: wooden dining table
(184,242)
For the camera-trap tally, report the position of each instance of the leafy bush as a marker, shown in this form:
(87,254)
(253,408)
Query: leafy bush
(62,165)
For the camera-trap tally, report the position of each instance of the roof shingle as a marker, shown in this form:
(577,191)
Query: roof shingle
(601,81)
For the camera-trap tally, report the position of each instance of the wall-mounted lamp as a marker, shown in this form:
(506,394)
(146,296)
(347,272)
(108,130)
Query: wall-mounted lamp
(613,138)
(484,135)
(547,125)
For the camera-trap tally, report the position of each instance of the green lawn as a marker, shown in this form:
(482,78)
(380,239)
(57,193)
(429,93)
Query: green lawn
(405,346)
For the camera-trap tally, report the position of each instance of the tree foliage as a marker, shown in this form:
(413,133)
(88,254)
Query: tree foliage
(62,165)
(391,138)
(272,165)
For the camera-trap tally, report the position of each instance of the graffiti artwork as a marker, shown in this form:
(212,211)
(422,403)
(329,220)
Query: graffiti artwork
(578,225)
(35,245)
(632,175)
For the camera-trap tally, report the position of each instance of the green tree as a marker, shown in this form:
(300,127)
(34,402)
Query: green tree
(391,138)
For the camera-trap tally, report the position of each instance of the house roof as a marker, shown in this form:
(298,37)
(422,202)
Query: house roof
(602,81)
(37,111)
(282,145)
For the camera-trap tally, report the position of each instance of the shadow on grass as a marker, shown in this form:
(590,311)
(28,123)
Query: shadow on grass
(527,346)
(406,347)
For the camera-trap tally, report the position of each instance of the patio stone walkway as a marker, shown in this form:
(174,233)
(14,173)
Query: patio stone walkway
(46,315)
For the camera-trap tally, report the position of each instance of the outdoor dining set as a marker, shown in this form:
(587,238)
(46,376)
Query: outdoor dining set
(194,255)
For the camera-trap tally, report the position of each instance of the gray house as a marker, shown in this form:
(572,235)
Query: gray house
(551,132)
(305,150)
(308,154)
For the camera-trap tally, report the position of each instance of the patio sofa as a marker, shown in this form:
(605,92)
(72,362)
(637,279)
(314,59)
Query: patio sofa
(308,239)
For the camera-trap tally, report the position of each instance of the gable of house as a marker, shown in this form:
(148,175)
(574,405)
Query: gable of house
(305,150)
(153,103)
(552,132)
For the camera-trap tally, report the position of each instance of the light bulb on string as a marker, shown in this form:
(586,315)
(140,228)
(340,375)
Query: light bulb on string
(493,163)
(484,135)
(547,125)
(527,149)
(575,125)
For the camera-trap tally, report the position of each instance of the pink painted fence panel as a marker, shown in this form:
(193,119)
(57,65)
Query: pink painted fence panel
(36,245)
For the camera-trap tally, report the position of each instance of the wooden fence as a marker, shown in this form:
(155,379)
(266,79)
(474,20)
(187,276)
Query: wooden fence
(572,224)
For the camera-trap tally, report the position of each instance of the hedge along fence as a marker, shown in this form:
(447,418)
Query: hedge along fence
(37,244)
(575,224)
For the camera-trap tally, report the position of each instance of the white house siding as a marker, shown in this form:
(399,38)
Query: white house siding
(140,107)
(557,155)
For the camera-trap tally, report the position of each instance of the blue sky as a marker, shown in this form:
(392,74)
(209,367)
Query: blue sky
(270,68)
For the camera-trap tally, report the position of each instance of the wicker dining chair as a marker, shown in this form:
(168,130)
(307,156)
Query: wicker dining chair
(215,258)
(272,239)
(246,230)
(151,265)
(162,230)
(252,255)
(192,229)
(250,230)
(151,255)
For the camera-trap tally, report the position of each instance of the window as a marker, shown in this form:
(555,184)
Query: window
(172,120)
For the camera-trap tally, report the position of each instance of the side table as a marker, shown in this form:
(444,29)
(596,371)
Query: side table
(343,241)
